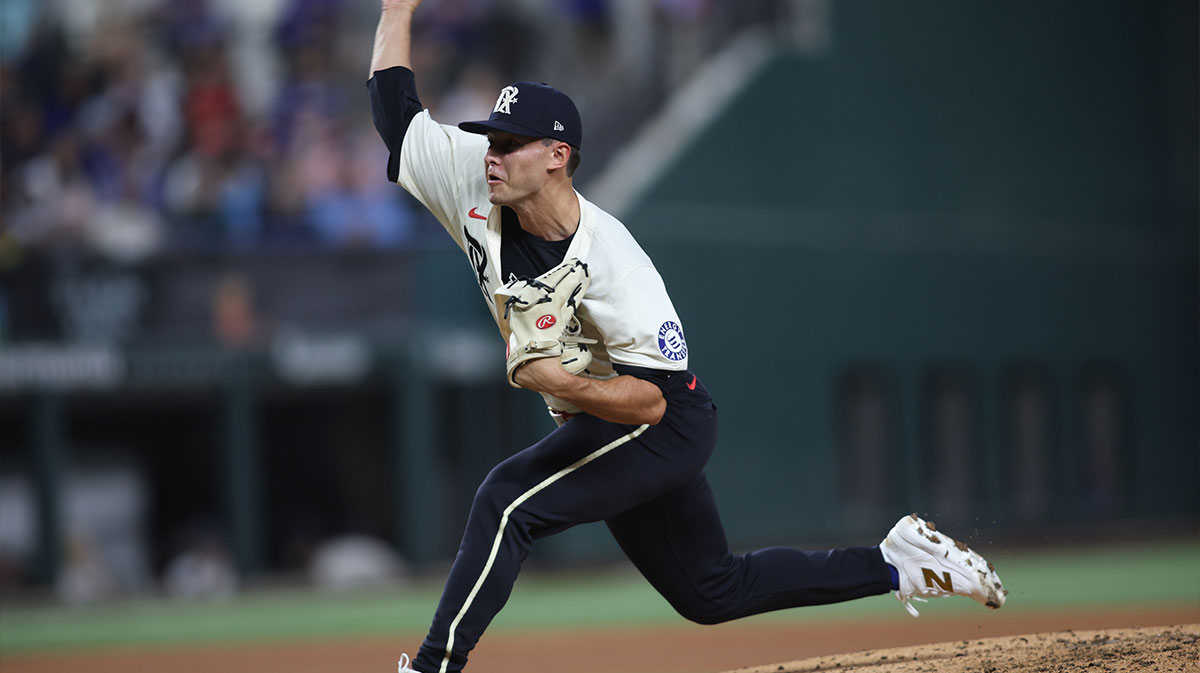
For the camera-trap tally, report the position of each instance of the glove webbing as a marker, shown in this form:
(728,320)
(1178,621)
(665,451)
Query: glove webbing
(508,303)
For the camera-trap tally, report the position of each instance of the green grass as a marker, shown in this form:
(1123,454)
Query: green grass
(1144,575)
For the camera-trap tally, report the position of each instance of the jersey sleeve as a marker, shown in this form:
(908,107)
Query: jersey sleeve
(643,329)
(394,102)
(440,165)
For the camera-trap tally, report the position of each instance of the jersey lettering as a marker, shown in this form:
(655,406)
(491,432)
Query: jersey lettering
(478,262)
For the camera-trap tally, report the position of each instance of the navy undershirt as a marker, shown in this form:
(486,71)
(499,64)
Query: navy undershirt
(523,255)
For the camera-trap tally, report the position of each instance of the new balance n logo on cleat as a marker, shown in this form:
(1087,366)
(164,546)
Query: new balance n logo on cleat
(932,565)
(932,578)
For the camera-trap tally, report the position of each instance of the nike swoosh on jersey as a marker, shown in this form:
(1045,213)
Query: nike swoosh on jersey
(475,214)
(692,385)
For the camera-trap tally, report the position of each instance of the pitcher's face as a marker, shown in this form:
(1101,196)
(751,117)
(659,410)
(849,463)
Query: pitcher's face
(517,166)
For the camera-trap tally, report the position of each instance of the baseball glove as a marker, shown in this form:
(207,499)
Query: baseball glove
(576,355)
(539,316)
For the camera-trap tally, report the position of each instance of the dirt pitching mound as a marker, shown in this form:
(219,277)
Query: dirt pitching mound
(1145,650)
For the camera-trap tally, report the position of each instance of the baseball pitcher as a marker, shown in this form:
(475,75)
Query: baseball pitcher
(588,323)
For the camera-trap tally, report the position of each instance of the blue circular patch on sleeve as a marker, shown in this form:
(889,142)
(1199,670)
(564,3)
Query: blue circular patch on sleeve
(670,341)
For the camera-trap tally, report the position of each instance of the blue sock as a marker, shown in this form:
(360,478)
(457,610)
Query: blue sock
(895,576)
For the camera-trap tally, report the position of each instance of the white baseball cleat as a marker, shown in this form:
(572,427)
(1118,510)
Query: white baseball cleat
(932,565)
(403,665)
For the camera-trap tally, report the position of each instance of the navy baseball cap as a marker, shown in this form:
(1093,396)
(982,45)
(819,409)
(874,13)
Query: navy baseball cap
(532,109)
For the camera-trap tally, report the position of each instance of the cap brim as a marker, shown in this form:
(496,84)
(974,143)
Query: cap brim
(482,127)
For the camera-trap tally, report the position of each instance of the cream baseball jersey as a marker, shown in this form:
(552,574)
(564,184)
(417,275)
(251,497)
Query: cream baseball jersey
(626,308)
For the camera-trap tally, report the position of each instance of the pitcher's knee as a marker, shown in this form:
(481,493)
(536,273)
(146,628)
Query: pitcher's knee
(496,492)
(701,611)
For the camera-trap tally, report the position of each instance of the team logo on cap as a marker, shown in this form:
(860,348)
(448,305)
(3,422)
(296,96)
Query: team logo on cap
(508,96)
(670,341)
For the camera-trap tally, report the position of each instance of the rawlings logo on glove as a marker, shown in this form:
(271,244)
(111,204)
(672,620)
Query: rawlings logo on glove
(539,318)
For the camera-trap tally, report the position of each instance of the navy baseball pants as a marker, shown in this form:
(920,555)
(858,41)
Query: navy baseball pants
(647,484)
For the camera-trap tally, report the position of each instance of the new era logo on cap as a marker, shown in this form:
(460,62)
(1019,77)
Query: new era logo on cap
(532,109)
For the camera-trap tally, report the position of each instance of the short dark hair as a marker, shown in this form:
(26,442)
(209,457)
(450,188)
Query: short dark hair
(572,161)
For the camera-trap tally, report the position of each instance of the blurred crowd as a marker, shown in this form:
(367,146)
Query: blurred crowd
(129,127)
(191,124)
